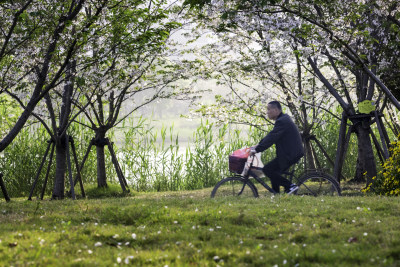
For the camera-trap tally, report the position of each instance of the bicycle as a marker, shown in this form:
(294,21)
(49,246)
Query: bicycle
(312,183)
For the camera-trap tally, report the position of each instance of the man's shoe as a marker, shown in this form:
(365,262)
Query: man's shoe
(292,189)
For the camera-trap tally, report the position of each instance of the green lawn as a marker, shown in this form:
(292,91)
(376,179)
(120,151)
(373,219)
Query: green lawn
(190,229)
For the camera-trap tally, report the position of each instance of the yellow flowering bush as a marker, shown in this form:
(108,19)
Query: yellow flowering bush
(388,180)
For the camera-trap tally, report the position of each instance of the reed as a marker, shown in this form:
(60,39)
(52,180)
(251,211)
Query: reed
(20,161)
(156,161)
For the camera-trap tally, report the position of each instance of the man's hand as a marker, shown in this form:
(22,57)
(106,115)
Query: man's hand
(253,150)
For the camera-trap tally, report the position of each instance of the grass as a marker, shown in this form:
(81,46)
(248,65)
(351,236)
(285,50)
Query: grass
(190,229)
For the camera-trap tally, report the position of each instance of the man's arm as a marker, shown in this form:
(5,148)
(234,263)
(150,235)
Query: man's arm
(272,136)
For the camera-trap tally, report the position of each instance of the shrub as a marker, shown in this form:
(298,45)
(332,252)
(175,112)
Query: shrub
(387,182)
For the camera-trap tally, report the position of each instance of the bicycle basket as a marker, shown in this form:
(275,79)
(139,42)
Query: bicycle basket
(236,164)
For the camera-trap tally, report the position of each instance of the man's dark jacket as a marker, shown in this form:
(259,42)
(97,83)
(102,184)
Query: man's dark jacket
(287,140)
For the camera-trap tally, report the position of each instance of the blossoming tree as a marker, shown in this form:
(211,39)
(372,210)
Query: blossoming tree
(122,68)
(256,74)
(35,50)
(334,36)
(82,56)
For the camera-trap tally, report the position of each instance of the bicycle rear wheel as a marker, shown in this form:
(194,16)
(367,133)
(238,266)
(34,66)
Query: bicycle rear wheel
(234,186)
(318,184)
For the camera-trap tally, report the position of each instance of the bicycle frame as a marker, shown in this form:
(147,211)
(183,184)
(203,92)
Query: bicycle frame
(258,179)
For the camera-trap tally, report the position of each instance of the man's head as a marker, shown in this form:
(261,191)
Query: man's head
(274,109)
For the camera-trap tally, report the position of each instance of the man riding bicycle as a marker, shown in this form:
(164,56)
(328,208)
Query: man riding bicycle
(289,148)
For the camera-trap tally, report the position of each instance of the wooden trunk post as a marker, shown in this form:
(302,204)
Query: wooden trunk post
(346,146)
(101,142)
(39,170)
(3,188)
(116,164)
(384,146)
(378,147)
(121,177)
(305,154)
(394,126)
(326,154)
(315,155)
(119,169)
(71,181)
(340,148)
(78,172)
(84,160)
(385,134)
(48,170)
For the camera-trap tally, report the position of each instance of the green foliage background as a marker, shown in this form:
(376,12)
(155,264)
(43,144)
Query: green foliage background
(152,159)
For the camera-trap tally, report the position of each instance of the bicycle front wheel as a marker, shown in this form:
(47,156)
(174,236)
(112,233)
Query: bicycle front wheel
(234,186)
(318,184)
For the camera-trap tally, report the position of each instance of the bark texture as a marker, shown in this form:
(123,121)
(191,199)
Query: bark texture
(366,160)
(61,167)
(101,162)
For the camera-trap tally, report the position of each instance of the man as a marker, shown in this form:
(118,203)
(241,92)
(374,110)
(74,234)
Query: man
(289,149)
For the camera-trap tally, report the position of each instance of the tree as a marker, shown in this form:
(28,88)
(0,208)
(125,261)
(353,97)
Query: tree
(342,36)
(134,69)
(256,74)
(79,53)
(125,48)
(35,50)
(70,25)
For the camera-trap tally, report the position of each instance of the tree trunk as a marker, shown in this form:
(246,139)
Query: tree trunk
(366,160)
(60,132)
(101,161)
(101,167)
(61,166)
(310,155)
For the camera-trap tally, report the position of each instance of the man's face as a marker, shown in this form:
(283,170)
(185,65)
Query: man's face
(272,112)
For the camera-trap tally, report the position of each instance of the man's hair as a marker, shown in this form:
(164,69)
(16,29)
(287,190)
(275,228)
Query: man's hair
(276,104)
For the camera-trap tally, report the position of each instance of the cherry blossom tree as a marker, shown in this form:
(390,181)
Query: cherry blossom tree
(257,74)
(35,50)
(333,37)
(141,67)
(122,67)
(79,56)
(154,78)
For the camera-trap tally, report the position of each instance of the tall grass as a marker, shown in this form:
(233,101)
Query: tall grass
(20,161)
(157,161)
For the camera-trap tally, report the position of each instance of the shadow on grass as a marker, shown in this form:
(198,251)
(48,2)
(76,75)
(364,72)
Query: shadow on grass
(111,191)
(352,189)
